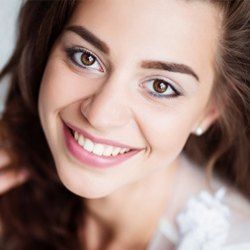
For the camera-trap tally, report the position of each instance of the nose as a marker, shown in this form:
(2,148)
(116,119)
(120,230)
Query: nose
(108,107)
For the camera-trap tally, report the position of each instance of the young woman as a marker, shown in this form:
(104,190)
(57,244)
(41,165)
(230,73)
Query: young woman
(127,126)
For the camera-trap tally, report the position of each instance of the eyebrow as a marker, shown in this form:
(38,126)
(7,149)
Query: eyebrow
(102,46)
(89,37)
(172,67)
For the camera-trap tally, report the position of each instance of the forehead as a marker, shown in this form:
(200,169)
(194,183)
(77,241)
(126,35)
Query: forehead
(174,30)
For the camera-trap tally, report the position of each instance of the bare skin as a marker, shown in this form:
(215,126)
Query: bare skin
(124,204)
(104,231)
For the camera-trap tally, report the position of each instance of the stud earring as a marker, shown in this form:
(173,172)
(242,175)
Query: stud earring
(199,131)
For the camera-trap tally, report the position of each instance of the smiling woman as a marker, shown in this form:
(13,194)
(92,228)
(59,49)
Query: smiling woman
(131,119)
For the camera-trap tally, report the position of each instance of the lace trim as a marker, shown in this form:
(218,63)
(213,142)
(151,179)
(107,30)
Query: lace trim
(202,225)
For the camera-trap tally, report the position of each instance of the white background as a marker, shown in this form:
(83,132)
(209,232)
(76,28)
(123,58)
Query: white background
(9,10)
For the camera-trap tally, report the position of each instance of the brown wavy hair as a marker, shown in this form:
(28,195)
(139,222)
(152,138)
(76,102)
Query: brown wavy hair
(42,213)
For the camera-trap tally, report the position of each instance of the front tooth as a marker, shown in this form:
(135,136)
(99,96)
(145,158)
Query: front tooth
(107,150)
(88,145)
(116,151)
(98,149)
(81,140)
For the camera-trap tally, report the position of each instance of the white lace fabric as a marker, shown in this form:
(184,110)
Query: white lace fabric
(206,221)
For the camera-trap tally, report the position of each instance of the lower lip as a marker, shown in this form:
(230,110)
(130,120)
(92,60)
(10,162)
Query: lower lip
(91,159)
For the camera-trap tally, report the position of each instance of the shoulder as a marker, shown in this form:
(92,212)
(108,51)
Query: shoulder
(238,204)
(217,210)
(239,219)
(218,220)
(204,217)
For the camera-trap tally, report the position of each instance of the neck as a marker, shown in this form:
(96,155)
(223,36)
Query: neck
(134,209)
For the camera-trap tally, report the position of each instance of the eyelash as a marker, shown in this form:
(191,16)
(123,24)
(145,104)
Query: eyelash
(71,51)
(168,85)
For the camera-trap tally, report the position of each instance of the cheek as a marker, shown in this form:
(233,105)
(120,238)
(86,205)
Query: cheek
(56,91)
(59,87)
(168,130)
(62,85)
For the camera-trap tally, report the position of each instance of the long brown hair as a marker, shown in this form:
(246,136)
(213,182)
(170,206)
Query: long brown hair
(225,147)
(42,213)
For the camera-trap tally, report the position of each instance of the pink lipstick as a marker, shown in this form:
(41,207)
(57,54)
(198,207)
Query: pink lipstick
(92,159)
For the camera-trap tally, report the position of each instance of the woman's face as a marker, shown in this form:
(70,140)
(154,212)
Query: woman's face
(136,73)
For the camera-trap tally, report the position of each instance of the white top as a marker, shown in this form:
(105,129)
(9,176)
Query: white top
(202,217)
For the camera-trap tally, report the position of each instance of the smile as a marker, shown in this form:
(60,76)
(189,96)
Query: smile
(96,148)
(93,153)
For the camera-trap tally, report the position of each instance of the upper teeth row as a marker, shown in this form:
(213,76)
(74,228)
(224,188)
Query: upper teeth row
(97,148)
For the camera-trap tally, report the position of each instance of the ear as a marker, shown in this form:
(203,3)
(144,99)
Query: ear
(209,116)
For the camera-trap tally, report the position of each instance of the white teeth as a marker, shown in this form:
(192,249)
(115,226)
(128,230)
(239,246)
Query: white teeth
(81,140)
(96,148)
(108,151)
(116,151)
(88,145)
(76,135)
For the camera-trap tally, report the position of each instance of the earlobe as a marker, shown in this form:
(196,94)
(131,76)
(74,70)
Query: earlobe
(211,115)
(199,131)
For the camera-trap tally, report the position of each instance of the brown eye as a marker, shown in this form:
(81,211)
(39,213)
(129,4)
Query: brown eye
(84,59)
(87,59)
(159,86)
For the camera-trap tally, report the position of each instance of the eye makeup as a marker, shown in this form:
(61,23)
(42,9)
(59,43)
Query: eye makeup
(84,59)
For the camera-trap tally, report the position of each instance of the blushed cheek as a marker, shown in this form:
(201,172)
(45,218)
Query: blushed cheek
(62,86)
(57,87)
(171,137)
(52,96)
(167,134)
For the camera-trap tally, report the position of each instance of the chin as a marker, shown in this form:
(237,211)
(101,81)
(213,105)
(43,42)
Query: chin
(87,192)
(83,184)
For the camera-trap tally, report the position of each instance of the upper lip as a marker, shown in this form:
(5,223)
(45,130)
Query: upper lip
(99,140)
